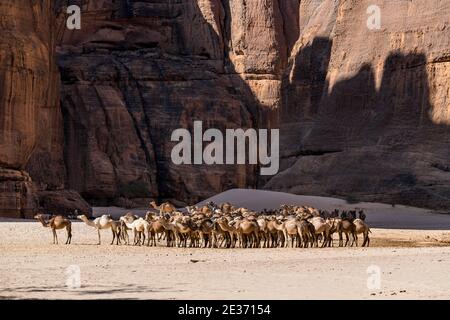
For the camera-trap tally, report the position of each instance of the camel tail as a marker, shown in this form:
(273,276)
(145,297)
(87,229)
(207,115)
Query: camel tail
(370,231)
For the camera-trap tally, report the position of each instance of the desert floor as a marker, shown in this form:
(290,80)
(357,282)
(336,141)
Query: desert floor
(413,264)
(410,246)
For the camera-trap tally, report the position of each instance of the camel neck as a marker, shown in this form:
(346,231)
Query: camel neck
(89,222)
(44,223)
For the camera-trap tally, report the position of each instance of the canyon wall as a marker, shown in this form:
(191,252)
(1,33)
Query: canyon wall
(363,114)
(138,70)
(31,129)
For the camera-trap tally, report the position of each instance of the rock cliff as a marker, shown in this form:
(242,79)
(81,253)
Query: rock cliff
(363,114)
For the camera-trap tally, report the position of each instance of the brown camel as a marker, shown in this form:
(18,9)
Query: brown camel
(165,207)
(57,223)
(248,232)
(361,227)
(229,232)
(348,228)
(306,232)
(171,231)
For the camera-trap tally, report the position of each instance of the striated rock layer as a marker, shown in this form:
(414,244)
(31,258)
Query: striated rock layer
(31,127)
(141,69)
(363,114)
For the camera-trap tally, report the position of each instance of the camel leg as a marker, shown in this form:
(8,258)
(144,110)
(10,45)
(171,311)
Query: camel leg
(55,237)
(113,237)
(69,234)
(325,239)
(353,238)
(257,240)
(346,239)
(98,233)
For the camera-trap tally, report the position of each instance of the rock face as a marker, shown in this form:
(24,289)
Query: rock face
(363,114)
(139,70)
(31,132)
(28,97)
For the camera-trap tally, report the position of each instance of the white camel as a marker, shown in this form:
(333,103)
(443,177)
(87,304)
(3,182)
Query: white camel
(102,223)
(139,226)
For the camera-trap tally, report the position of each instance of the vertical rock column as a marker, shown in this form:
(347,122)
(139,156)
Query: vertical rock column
(25,64)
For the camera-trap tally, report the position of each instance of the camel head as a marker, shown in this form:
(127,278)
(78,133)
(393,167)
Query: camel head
(39,216)
(191,209)
(149,215)
(82,217)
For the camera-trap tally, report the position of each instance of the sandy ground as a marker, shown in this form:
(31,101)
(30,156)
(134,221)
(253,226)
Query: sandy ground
(413,263)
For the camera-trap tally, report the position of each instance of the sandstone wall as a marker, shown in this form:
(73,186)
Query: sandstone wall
(139,70)
(364,114)
(372,124)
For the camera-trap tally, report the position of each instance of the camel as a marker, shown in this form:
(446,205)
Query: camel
(171,230)
(184,228)
(290,230)
(321,227)
(139,226)
(156,227)
(57,223)
(275,230)
(248,232)
(263,231)
(361,227)
(229,232)
(123,227)
(165,207)
(205,229)
(334,224)
(306,232)
(348,228)
(102,223)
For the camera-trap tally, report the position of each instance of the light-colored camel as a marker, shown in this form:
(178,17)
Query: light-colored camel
(102,223)
(306,232)
(140,227)
(57,223)
(263,231)
(321,227)
(165,207)
(361,227)
(290,230)
(275,229)
(123,227)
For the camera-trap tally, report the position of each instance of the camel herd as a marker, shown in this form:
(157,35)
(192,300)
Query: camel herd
(226,226)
